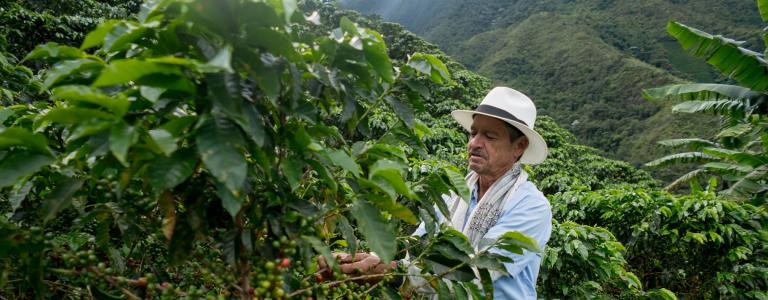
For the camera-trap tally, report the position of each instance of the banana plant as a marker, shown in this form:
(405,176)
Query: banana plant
(738,152)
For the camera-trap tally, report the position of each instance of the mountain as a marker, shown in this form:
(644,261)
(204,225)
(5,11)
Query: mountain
(584,62)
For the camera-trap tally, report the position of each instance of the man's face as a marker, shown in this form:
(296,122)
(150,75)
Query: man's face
(490,150)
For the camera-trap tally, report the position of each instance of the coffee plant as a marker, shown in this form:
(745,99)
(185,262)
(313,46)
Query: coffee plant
(215,149)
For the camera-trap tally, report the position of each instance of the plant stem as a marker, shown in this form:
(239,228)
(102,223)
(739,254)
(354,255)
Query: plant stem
(348,279)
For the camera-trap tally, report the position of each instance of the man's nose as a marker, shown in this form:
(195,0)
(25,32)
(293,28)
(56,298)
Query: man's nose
(474,142)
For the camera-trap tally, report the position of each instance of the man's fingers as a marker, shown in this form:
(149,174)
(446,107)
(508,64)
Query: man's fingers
(365,265)
(349,268)
(321,262)
(349,258)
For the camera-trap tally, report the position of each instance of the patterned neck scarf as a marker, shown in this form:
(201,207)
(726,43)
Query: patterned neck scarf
(489,207)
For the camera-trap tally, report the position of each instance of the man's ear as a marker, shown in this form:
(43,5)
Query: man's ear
(521,145)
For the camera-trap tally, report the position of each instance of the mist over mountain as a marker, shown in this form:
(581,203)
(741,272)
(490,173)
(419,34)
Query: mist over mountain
(584,63)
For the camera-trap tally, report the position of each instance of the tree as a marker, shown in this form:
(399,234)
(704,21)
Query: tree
(738,152)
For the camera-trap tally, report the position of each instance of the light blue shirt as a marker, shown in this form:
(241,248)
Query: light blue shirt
(529,212)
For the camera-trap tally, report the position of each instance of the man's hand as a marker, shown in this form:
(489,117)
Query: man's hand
(359,264)
(365,264)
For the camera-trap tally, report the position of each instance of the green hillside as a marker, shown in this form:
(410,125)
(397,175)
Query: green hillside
(584,62)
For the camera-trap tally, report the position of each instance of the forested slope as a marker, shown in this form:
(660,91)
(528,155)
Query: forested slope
(584,62)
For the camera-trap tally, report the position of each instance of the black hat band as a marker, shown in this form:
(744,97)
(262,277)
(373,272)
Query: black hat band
(498,112)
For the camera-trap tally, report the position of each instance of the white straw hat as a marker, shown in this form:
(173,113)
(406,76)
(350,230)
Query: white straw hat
(514,108)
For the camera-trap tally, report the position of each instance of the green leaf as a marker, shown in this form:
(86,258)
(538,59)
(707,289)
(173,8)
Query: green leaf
(117,104)
(431,66)
(222,60)
(699,91)
(376,54)
(123,71)
(737,130)
(293,169)
(18,137)
(386,174)
(74,115)
(343,160)
(116,259)
(457,239)
(19,193)
(389,293)
(289,8)
(762,7)
(273,41)
(321,248)
(514,241)
(60,198)
(5,113)
(224,93)
(120,36)
(397,210)
(260,14)
(164,140)
(88,129)
(491,261)
(168,172)
(177,125)
(54,50)
(473,289)
(67,68)
(220,146)
(327,178)
(348,26)
(692,143)
(458,183)
(459,292)
(230,202)
(449,251)
(19,164)
(714,106)
(699,237)
(750,184)
(685,157)
(121,138)
(687,177)
(268,79)
(745,66)
(254,126)
(378,233)
(726,168)
(487,281)
(403,110)
(661,294)
(168,82)
(443,292)
(151,93)
(348,233)
(97,36)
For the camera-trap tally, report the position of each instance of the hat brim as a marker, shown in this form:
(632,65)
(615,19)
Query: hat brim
(537,148)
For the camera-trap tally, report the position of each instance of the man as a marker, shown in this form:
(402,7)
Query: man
(501,139)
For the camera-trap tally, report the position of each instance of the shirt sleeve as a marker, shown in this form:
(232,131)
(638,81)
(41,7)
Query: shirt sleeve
(531,216)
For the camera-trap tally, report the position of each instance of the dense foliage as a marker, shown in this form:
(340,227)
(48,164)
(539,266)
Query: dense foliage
(28,23)
(184,158)
(215,148)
